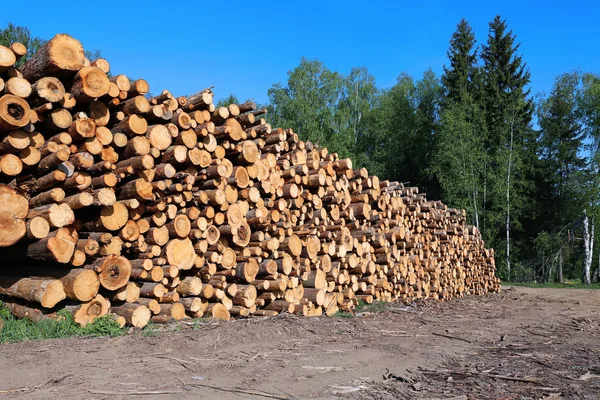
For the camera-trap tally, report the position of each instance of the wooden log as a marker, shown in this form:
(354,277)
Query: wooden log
(129,293)
(21,309)
(58,215)
(61,57)
(152,304)
(247,271)
(136,315)
(189,286)
(113,271)
(19,87)
(79,284)
(138,87)
(14,113)
(218,311)
(47,292)
(88,311)
(176,311)
(13,210)
(11,165)
(179,227)
(58,246)
(15,141)
(180,253)
(7,58)
(47,89)
(37,228)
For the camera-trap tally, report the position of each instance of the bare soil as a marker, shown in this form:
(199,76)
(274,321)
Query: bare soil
(520,344)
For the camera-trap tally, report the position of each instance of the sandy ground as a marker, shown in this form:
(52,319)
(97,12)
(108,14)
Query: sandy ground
(520,344)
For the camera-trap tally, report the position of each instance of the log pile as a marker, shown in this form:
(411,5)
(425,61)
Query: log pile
(156,208)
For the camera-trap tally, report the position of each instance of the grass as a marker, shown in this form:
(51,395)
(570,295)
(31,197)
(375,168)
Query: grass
(362,307)
(375,307)
(568,284)
(149,330)
(19,330)
(343,314)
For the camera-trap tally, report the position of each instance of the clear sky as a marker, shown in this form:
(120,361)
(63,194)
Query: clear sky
(243,47)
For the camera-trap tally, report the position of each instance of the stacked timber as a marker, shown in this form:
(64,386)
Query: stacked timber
(156,208)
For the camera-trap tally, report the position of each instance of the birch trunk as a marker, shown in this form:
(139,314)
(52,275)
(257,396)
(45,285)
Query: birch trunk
(588,247)
(510,154)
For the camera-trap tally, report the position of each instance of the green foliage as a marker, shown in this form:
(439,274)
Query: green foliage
(400,132)
(323,106)
(342,314)
(13,33)
(19,330)
(459,79)
(105,325)
(569,284)
(197,323)
(231,99)
(460,156)
(375,307)
(149,330)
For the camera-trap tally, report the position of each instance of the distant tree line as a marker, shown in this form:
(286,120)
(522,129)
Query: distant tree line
(524,167)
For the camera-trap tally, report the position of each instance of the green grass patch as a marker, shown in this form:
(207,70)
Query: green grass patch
(149,330)
(19,330)
(568,284)
(343,314)
(375,307)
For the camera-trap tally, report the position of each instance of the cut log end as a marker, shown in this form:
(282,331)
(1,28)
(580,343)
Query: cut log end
(13,210)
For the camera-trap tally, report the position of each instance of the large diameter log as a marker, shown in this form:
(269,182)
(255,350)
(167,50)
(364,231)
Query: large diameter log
(218,311)
(48,89)
(14,113)
(47,292)
(113,271)
(112,218)
(58,215)
(316,279)
(13,210)
(180,253)
(89,84)
(58,246)
(245,296)
(135,314)
(189,286)
(247,271)
(61,56)
(317,296)
(81,284)
(241,236)
(87,312)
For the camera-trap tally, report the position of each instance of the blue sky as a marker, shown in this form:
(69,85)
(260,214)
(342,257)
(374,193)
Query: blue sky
(244,47)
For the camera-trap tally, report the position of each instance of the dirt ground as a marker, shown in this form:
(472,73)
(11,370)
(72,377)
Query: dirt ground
(520,344)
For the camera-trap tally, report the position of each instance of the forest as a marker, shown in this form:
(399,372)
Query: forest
(523,165)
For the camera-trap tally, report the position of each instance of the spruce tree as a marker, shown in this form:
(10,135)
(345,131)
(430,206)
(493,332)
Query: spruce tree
(458,78)
(506,99)
(510,143)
